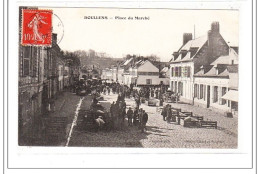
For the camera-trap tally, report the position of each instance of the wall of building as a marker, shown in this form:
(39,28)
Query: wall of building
(66,76)
(107,74)
(165,81)
(187,82)
(142,80)
(201,100)
(147,74)
(233,80)
(114,74)
(30,91)
(120,75)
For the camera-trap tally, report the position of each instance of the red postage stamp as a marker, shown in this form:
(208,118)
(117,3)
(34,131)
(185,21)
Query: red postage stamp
(36,27)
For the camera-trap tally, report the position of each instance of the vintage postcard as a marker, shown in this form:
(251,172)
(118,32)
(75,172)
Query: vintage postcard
(94,77)
(129,85)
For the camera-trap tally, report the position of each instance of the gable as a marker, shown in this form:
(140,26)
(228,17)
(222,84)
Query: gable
(147,67)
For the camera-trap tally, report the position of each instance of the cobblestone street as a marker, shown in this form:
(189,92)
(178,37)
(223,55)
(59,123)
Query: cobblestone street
(161,134)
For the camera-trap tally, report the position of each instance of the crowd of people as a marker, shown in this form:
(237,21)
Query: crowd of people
(115,118)
(118,114)
(167,114)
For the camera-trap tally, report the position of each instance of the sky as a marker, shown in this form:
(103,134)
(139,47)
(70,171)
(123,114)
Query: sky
(161,35)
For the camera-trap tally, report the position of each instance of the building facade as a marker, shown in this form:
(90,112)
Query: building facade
(41,77)
(143,73)
(31,78)
(216,85)
(193,54)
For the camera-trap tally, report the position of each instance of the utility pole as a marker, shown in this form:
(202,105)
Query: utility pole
(194,31)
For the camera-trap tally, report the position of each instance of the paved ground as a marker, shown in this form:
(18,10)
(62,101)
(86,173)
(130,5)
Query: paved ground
(161,134)
(65,106)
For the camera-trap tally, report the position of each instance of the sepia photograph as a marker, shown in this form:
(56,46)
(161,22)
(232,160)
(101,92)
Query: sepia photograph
(128,78)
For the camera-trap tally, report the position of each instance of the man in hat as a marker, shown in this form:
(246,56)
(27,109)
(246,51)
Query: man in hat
(135,121)
(164,112)
(130,114)
(169,114)
(144,120)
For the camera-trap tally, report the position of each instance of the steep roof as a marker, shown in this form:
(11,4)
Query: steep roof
(126,62)
(224,70)
(164,70)
(196,43)
(138,63)
(226,59)
(212,73)
(232,68)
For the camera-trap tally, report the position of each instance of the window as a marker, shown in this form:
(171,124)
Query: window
(26,60)
(172,71)
(215,99)
(224,91)
(175,87)
(148,81)
(176,70)
(148,73)
(204,94)
(26,67)
(26,52)
(172,87)
(34,61)
(45,66)
(180,88)
(184,72)
(201,91)
(198,91)
(188,71)
(195,90)
(179,71)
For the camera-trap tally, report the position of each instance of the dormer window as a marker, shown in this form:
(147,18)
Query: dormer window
(175,55)
(183,53)
(216,70)
(202,69)
(193,51)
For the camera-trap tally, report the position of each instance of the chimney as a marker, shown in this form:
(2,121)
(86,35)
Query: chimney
(215,27)
(187,37)
(54,38)
(215,48)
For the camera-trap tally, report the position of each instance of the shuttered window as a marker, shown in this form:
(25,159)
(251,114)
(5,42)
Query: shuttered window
(26,60)
(188,71)
(201,91)
(148,81)
(195,90)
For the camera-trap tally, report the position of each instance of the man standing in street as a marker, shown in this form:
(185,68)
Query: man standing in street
(164,112)
(130,114)
(144,120)
(135,121)
(169,114)
(138,101)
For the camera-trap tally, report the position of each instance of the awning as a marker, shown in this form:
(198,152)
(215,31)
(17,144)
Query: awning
(231,95)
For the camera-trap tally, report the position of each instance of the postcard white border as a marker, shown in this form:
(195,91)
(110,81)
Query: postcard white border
(72,157)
